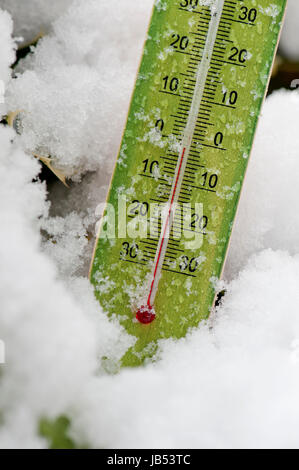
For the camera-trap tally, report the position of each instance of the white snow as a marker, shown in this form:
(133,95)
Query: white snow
(33,17)
(77,86)
(269,202)
(290,38)
(54,332)
(7,55)
(235,385)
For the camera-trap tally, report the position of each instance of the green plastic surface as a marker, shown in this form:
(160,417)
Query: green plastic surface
(234,90)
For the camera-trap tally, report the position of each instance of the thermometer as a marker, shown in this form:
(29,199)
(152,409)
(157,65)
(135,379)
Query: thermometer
(174,194)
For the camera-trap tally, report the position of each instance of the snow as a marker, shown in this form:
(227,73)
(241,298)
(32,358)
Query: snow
(233,385)
(37,310)
(269,200)
(79,82)
(33,17)
(7,55)
(290,38)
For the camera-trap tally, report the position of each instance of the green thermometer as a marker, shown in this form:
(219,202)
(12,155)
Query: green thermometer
(174,194)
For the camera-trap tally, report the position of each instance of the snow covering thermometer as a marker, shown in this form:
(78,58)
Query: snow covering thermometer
(176,186)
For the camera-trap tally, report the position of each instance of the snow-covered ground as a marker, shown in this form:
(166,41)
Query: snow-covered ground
(235,385)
